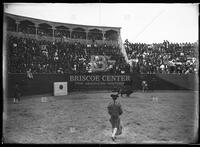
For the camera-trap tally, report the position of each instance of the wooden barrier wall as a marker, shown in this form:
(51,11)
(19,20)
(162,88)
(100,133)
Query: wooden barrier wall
(43,83)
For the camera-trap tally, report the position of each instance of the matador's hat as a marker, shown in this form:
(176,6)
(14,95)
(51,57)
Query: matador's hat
(114,96)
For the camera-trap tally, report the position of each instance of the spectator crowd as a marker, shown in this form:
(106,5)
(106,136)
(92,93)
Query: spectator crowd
(162,57)
(43,56)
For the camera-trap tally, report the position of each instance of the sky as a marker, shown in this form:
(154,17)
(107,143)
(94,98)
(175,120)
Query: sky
(140,23)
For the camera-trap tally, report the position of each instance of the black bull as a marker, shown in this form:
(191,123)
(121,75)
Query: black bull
(126,90)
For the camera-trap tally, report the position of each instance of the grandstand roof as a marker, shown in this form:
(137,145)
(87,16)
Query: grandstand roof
(54,24)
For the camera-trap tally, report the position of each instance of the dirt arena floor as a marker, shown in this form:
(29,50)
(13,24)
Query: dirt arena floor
(83,118)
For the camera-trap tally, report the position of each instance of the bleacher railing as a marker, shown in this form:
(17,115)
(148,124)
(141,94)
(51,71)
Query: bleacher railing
(72,40)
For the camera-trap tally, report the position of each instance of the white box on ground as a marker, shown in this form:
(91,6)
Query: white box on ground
(60,88)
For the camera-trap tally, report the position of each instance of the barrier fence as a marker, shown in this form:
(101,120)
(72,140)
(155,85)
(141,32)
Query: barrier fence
(43,83)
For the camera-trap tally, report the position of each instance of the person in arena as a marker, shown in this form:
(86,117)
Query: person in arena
(115,110)
(29,74)
(144,86)
(17,93)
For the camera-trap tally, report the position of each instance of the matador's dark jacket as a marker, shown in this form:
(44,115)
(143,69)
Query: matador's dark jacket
(115,110)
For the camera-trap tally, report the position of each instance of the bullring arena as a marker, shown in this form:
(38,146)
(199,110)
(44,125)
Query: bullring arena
(82,117)
(166,113)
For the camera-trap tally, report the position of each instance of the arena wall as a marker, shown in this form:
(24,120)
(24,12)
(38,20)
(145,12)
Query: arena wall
(43,83)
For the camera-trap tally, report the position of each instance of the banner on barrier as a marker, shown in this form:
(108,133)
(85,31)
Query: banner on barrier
(99,79)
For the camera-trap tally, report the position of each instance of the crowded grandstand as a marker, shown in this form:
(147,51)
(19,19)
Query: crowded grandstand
(162,57)
(38,47)
(44,50)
